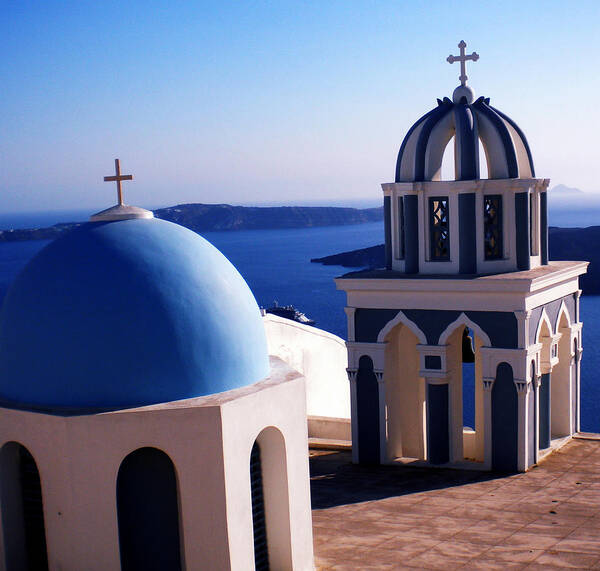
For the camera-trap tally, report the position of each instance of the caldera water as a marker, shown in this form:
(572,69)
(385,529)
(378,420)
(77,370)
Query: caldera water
(276,264)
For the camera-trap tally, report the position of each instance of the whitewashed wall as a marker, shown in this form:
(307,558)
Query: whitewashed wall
(318,355)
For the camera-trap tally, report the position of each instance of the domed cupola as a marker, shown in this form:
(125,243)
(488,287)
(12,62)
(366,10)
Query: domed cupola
(127,310)
(506,150)
(467,225)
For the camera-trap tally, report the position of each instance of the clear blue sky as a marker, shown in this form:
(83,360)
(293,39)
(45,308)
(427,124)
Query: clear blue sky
(283,101)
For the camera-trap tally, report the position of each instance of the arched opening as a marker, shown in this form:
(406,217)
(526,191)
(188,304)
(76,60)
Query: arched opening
(468,372)
(483,161)
(465,381)
(404,395)
(562,382)
(544,337)
(270,501)
(448,170)
(148,512)
(505,421)
(367,396)
(22,510)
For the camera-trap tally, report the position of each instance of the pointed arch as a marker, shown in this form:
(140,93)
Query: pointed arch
(401,318)
(462,319)
(563,310)
(543,319)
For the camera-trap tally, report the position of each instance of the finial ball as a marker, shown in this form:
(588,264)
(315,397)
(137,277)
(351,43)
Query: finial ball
(463,91)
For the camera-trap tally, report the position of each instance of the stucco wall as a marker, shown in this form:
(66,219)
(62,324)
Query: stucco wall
(208,439)
(320,357)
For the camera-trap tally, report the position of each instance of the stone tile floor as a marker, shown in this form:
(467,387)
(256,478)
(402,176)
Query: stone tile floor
(397,517)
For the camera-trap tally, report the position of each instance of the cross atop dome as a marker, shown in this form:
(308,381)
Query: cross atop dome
(463,58)
(118,178)
(121,211)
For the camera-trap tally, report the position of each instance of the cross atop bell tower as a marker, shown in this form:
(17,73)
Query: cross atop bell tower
(462,58)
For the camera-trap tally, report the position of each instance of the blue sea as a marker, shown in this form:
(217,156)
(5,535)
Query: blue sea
(276,265)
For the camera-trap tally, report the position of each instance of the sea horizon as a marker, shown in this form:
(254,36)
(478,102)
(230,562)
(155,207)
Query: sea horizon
(579,211)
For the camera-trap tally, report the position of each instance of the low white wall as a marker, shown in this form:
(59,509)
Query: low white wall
(318,355)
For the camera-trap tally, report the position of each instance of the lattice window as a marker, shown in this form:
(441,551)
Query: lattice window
(439,228)
(492,227)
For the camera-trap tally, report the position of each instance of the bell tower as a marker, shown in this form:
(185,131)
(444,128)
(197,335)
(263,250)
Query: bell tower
(466,265)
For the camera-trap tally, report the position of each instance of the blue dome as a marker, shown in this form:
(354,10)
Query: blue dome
(127,313)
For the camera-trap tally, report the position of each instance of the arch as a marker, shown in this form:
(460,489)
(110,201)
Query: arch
(22,509)
(148,511)
(496,137)
(405,164)
(563,398)
(405,396)
(367,396)
(270,501)
(505,420)
(543,335)
(401,318)
(563,311)
(524,157)
(421,150)
(462,319)
(440,137)
(544,319)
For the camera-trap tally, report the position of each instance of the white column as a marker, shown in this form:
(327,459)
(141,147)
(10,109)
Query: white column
(536,382)
(488,384)
(455,424)
(523,327)
(353,413)
(350,311)
(383,459)
(522,444)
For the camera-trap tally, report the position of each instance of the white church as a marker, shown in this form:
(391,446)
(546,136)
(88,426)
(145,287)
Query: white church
(152,418)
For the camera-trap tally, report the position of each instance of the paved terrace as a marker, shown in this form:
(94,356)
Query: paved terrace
(396,517)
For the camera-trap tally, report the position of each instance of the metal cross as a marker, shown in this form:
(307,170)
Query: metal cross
(462,58)
(118,178)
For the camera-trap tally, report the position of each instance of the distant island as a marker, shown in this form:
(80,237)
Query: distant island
(564,244)
(564,190)
(218,217)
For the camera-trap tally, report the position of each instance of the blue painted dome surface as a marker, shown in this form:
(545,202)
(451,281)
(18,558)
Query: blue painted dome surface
(128,313)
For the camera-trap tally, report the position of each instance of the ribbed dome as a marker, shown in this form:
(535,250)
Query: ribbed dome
(119,314)
(506,149)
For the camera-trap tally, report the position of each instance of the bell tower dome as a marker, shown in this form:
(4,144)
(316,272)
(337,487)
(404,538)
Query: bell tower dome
(468,225)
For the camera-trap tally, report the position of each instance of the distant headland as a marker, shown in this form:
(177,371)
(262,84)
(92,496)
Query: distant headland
(220,217)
